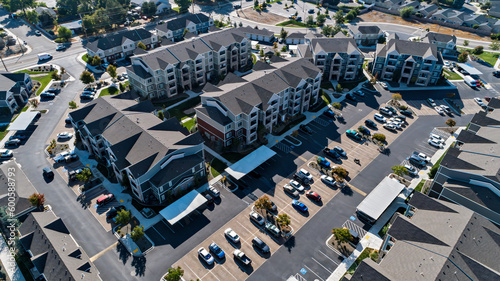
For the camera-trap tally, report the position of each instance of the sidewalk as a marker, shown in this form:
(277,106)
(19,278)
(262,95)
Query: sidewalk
(406,88)
(217,155)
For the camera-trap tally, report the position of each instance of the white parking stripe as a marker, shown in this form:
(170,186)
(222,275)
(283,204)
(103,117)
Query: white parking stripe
(228,272)
(158,233)
(313,272)
(244,227)
(168,226)
(328,258)
(198,277)
(321,265)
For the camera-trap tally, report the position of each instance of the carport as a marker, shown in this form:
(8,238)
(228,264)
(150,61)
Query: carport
(374,205)
(469,69)
(183,207)
(250,162)
(22,121)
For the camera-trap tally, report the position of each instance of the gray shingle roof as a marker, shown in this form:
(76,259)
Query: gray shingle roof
(260,31)
(181,23)
(116,39)
(412,48)
(24,188)
(334,45)
(296,35)
(175,168)
(9,80)
(225,37)
(365,29)
(440,37)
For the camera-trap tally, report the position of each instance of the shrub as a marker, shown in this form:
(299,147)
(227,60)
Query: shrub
(463,57)
(379,137)
(51,32)
(433,171)
(403,107)
(341,172)
(477,50)
(60,40)
(337,105)
(406,12)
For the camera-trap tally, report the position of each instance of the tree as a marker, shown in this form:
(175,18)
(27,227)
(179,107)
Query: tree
(396,97)
(257,47)
(339,16)
(327,30)
(263,203)
(342,235)
(320,20)
(67,7)
(256,3)
(45,18)
(137,233)
(183,5)
(350,16)
(123,217)
(495,45)
(72,105)
(326,11)
(283,33)
(463,57)
(32,16)
(450,122)
(86,77)
(283,49)
(122,87)
(337,105)
(64,33)
(174,274)
(283,220)
(466,42)
(148,8)
(37,199)
(406,12)
(277,53)
(111,71)
(399,170)
(261,53)
(477,50)
(96,60)
(240,24)
(34,103)
(381,40)
(338,88)
(275,45)
(161,115)
(379,137)
(85,175)
(141,45)
(341,172)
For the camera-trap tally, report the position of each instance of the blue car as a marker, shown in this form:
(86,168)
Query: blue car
(216,250)
(364,130)
(323,162)
(299,206)
(330,114)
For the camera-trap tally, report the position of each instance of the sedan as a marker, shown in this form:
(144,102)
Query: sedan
(392,109)
(431,102)
(296,185)
(411,170)
(306,129)
(60,47)
(258,219)
(86,97)
(313,196)
(64,135)
(370,123)
(340,151)
(479,101)
(214,248)
(436,137)
(435,143)
(273,208)
(205,256)
(18,136)
(299,206)
(46,95)
(273,229)
(390,127)
(406,112)
(439,110)
(214,191)
(48,172)
(323,162)
(6,153)
(260,245)
(446,109)
(329,113)
(231,235)
(328,180)
(290,190)
(364,130)
(331,153)
(61,157)
(496,73)
(13,142)
(379,118)
(113,212)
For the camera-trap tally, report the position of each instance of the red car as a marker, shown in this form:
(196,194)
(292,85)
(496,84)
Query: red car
(313,195)
(487,98)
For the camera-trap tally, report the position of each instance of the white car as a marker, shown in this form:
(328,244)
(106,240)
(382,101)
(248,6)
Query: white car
(446,108)
(390,127)
(231,235)
(411,170)
(439,110)
(395,124)
(306,174)
(258,219)
(447,63)
(422,156)
(214,191)
(379,118)
(328,180)
(435,143)
(6,153)
(61,157)
(64,135)
(206,256)
(38,33)
(479,101)
(436,138)
(296,185)
(383,84)
(385,111)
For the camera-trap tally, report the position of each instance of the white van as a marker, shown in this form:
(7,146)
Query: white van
(470,81)
(44,56)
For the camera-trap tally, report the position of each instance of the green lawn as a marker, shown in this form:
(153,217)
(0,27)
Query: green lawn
(254,58)
(488,57)
(126,83)
(352,84)
(294,23)
(450,75)
(109,91)
(3,131)
(31,72)
(178,111)
(419,186)
(44,80)
(217,167)
(25,108)
(85,58)
(189,124)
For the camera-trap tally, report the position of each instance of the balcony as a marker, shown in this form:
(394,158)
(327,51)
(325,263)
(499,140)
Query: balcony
(198,61)
(199,68)
(185,78)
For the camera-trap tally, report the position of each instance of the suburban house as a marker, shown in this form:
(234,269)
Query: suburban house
(272,93)
(408,62)
(15,90)
(494,10)
(366,35)
(449,16)
(428,10)
(173,30)
(24,189)
(435,240)
(162,6)
(191,63)
(54,252)
(339,58)
(262,35)
(446,44)
(469,172)
(295,38)
(121,44)
(154,158)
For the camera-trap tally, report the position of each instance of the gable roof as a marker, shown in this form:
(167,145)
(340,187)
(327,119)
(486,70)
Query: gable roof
(334,45)
(8,80)
(440,37)
(24,188)
(365,29)
(182,22)
(113,40)
(410,48)
(257,31)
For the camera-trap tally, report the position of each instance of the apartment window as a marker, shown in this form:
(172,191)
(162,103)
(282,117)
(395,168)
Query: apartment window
(240,124)
(171,77)
(228,127)
(253,115)
(230,134)
(170,70)
(222,53)
(150,80)
(125,47)
(198,61)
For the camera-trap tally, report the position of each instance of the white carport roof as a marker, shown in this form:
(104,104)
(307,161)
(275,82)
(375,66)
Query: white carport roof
(183,207)
(250,162)
(380,198)
(469,68)
(22,121)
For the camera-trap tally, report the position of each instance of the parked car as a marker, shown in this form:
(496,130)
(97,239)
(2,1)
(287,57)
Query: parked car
(379,118)
(435,143)
(340,151)
(53,91)
(313,196)
(402,118)
(395,124)
(237,6)
(38,33)
(18,136)
(273,208)
(216,250)
(422,156)
(329,113)
(306,129)
(301,178)
(306,174)
(392,109)
(330,152)
(365,131)
(48,172)
(360,93)
(487,99)
(479,101)
(353,134)
(214,191)
(258,219)
(323,162)
(406,112)
(290,190)
(328,180)
(412,171)
(350,96)
(105,199)
(65,135)
(299,206)
(496,73)
(431,102)
(311,11)
(114,212)
(439,110)
(390,127)
(71,158)
(46,95)
(231,235)
(298,19)
(296,185)
(273,229)
(370,123)
(446,109)
(416,161)
(13,142)
(260,245)
(61,157)
(437,138)
(60,47)
(385,111)
(242,257)
(384,85)
(205,256)
(86,97)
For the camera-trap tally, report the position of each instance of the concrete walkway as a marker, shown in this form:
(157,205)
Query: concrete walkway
(217,155)
(13,273)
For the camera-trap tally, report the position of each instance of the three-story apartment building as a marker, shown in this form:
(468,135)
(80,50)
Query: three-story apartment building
(174,29)
(238,105)
(446,44)
(191,63)
(15,89)
(155,157)
(408,62)
(339,58)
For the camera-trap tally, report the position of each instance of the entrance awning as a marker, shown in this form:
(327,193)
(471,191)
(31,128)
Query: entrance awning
(22,121)
(250,162)
(183,207)
(469,68)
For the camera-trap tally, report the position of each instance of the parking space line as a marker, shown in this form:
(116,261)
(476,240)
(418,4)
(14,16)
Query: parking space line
(228,271)
(313,272)
(321,265)
(198,277)
(298,156)
(244,227)
(168,226)
(322,190)
(158,233)
(328,257)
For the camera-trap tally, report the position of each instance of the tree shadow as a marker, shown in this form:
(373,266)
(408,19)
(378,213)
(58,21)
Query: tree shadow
(123,253)
(139,263)
(290,243)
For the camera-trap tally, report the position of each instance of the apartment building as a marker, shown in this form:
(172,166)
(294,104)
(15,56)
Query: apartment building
(15,90)
(154,157)
(446,44)
(339,58)
(121,44)
(435,240)
(173,30)
(166,72)
(262,35)
(273,92)
(22,191)
(408,62)
(366,35)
